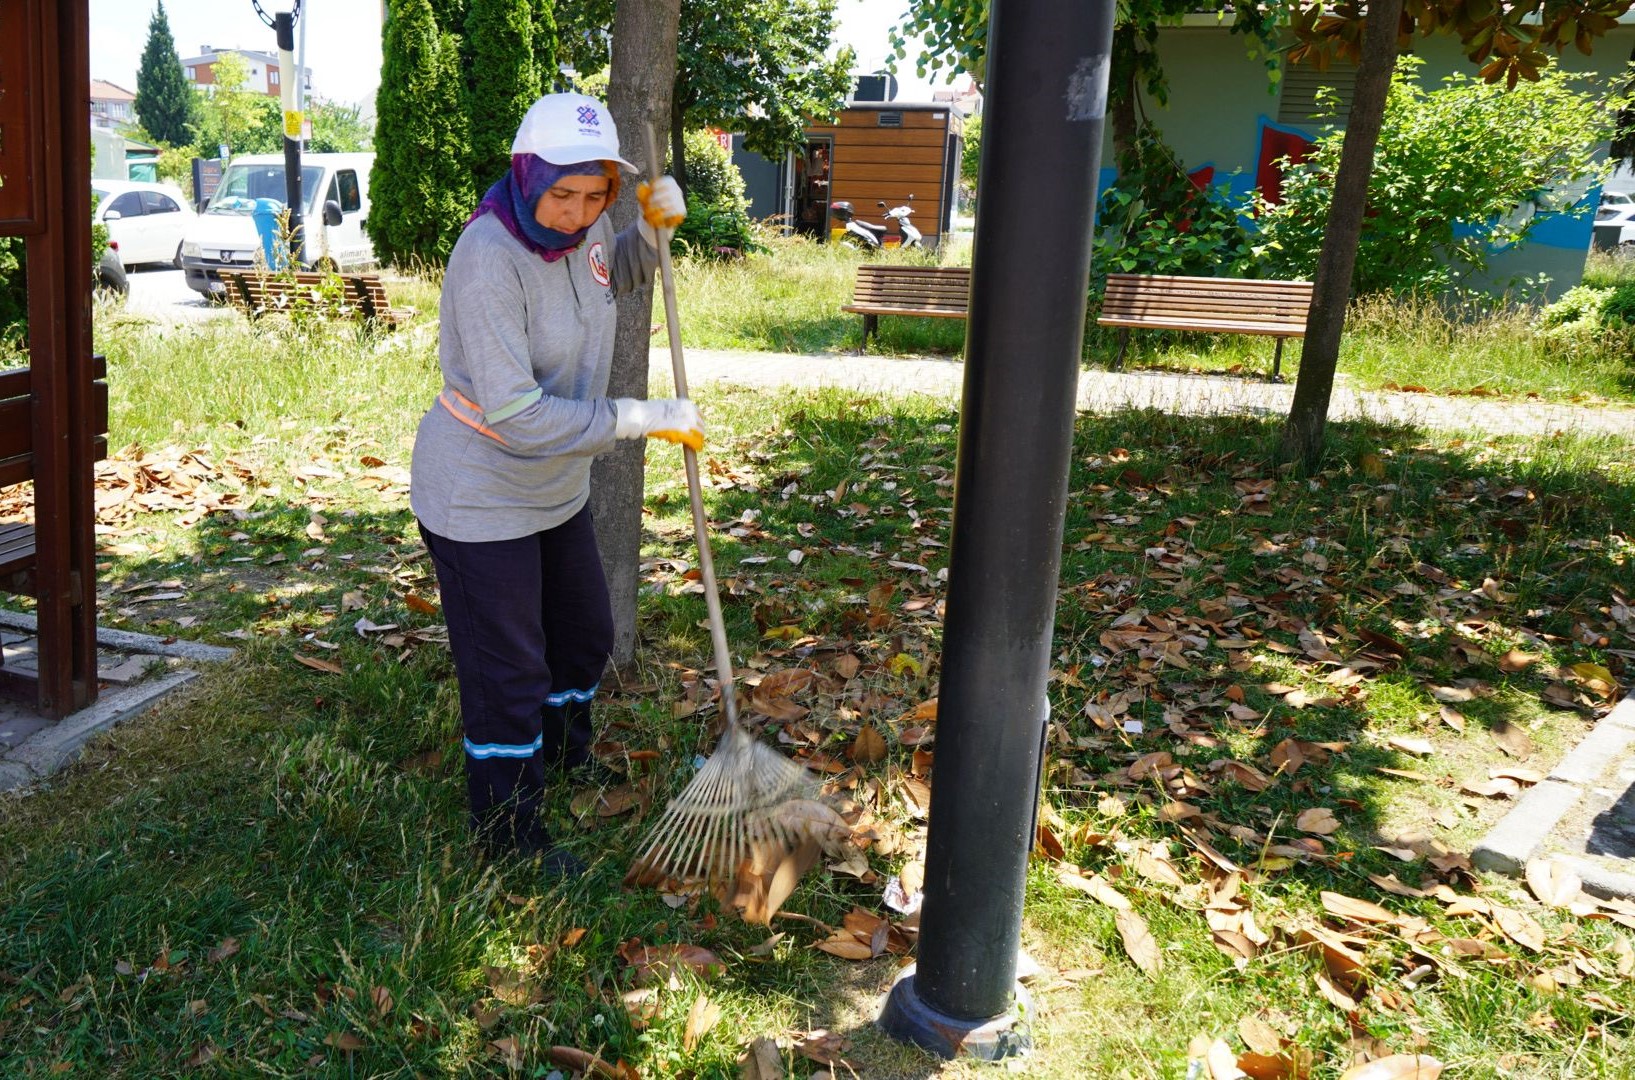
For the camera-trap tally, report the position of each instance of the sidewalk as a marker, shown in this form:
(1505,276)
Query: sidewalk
(1193,395)
(136,671)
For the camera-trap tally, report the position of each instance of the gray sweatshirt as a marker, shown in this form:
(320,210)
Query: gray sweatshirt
(526,348)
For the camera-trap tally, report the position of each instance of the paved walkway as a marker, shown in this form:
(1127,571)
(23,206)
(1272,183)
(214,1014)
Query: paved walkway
(135,670)
(1195,395)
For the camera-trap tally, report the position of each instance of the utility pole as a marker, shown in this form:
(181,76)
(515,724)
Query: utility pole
(289,98)
(1041,151)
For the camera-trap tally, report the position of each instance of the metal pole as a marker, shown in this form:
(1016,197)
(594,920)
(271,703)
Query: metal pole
(284,25)
(1047,66)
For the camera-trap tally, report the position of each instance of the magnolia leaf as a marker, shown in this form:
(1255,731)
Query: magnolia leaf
(569,1057)
(1511,739)
(1554,883)
(1094,886)
(868,747)
(1452,717)
(1319,820)
(1332,993)
(1259,1036)
(1347,907)
(761,1061)
(703,1016)
(1138,941)
(1222,1062)
(1396,1067)
(1411,744)
(1519,928)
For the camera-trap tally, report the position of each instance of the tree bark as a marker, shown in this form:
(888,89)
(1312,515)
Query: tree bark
(678,144)
(642,74)
(1121,92)
(1302,440)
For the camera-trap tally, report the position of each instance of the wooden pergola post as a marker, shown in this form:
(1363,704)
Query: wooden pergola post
(45,197)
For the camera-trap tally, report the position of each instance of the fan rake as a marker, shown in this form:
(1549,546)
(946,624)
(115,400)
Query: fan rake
(731,807)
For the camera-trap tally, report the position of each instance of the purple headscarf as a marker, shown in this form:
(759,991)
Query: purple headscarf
(514,196)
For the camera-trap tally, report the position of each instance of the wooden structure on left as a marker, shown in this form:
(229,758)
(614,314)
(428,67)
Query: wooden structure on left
(45,197)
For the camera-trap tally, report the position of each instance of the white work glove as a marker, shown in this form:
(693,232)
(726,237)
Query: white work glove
(663,207)
(671,419)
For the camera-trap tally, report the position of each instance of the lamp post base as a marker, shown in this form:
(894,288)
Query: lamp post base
(907,1018)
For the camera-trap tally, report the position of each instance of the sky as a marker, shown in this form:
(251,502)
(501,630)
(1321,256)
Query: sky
(343,39)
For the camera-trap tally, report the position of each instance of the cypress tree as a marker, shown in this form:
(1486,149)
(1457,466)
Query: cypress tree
(545,46)
(420,185)
(164,100)
(501,82)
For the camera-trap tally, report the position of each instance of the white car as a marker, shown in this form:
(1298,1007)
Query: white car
(335,188)
(1617,211)
(146,220)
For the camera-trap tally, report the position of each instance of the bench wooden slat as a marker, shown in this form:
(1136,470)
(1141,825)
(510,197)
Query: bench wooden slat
(258,294)
(16,548)
(18,540)
(938,292)
(1274,309)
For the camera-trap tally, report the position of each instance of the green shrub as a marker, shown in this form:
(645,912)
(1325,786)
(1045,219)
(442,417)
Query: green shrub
(1619,306)
(1459,170)
(717,209)
(1155,220)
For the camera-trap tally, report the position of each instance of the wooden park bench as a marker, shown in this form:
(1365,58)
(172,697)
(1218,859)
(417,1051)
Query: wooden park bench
(941,292)
(18,552)
(1212,305)
(362,295)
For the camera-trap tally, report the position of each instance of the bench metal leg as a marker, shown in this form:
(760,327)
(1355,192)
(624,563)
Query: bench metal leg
(1277,363)
(1123,343)
(871,325)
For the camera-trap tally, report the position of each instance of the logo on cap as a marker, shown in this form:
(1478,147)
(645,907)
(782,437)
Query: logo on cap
(587,115)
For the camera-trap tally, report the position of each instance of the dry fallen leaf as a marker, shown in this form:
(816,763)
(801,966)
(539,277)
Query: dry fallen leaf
(1412,744)
(761,1061)
(1553,882)
(1094,886)
(1223,1064)
(1347,907)
(1138,941)
(1396,1067)
(703,1016)
(1511,739)
(1318,819)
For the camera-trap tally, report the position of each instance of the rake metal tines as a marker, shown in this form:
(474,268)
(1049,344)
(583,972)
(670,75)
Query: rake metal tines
(728,810)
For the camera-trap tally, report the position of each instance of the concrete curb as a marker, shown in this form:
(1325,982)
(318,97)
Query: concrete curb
(1522,832)
(129,641)
(55,746)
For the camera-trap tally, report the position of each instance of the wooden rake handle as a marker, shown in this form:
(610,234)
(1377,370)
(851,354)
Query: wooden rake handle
(695,491)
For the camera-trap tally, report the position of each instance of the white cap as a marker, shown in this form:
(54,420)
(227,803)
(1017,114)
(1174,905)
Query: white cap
(566,129)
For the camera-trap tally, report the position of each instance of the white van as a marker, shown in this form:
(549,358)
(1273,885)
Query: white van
(336,189)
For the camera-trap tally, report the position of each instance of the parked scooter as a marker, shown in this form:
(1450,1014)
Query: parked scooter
(910,235)
(858,233)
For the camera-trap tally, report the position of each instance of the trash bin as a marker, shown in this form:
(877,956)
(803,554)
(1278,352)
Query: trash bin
(265,215)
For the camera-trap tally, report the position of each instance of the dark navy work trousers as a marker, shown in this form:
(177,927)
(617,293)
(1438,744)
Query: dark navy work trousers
(531,630)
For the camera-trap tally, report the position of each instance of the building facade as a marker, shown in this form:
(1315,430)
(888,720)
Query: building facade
(266,77)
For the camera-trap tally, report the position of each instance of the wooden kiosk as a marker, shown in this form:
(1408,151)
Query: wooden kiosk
(51,411)
(881,151)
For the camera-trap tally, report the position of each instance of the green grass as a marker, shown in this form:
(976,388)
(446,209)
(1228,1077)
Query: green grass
(788,299)
(1605,269)
(275,860)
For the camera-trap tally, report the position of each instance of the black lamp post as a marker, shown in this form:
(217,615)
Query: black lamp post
(1041,151)
(284,26)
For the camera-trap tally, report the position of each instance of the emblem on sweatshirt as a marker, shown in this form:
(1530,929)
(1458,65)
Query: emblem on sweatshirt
(597,259)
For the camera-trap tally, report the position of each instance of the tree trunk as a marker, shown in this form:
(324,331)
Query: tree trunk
(678,143)
(1121,92)
(642,74)
(1331,291)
